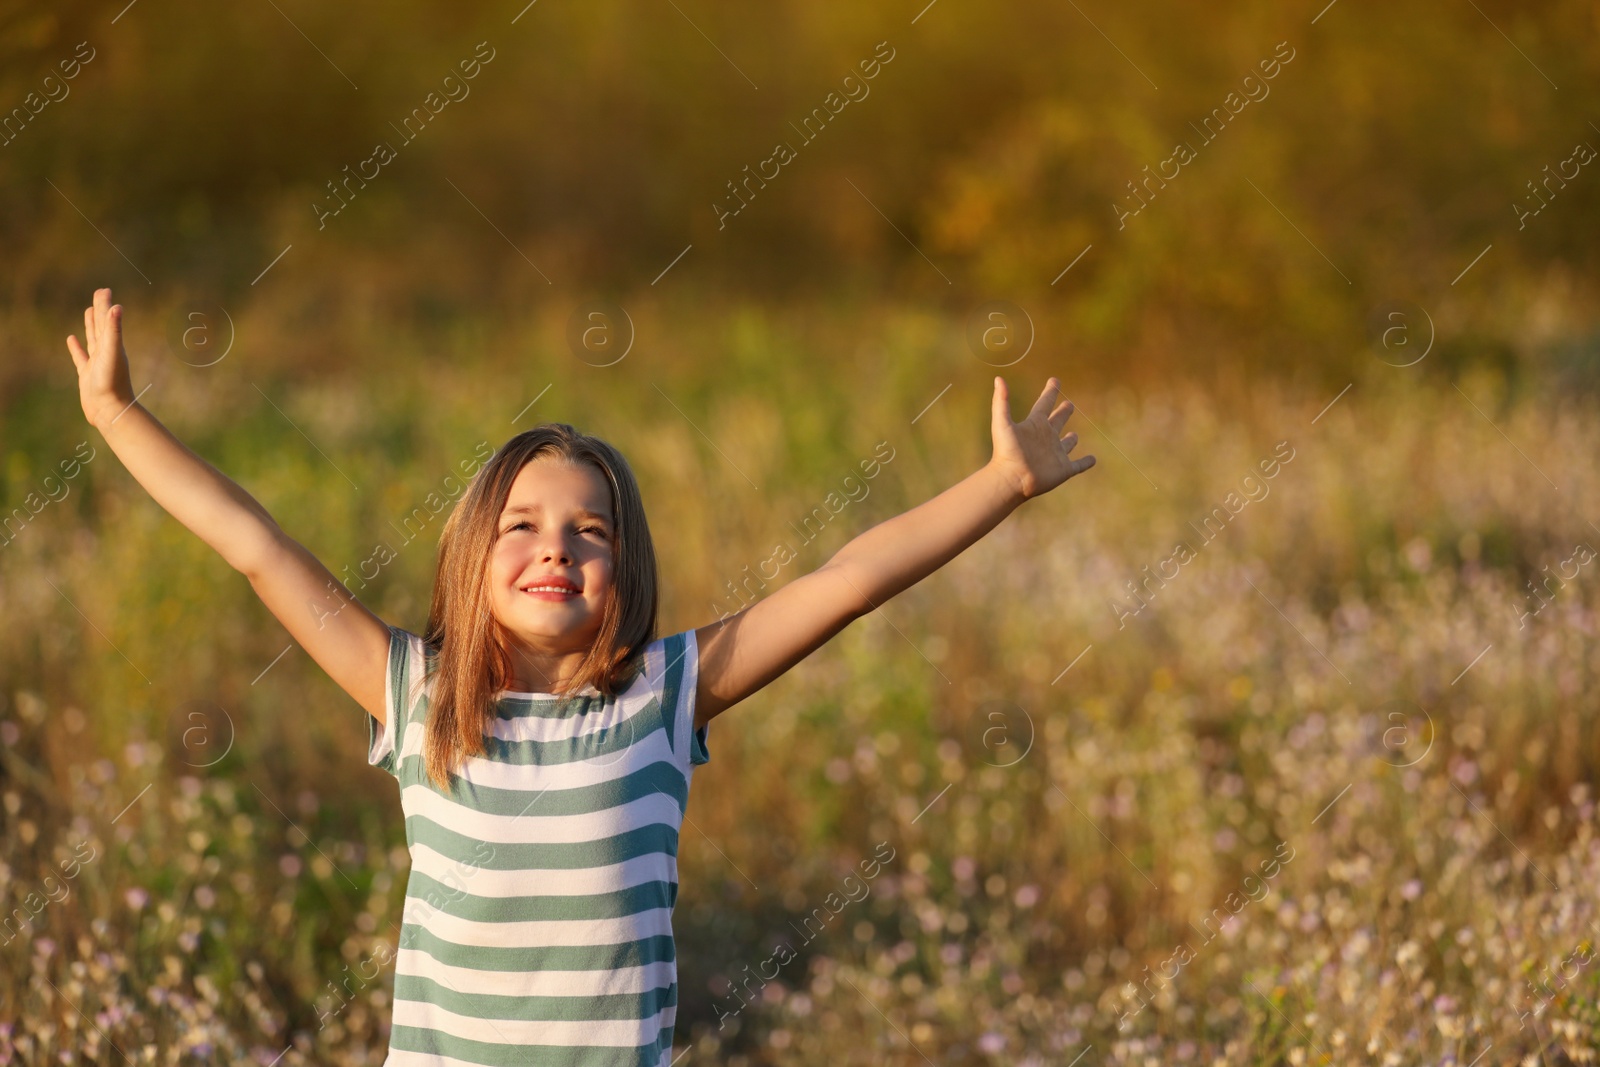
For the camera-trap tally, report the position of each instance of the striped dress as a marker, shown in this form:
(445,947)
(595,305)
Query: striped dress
(538,913)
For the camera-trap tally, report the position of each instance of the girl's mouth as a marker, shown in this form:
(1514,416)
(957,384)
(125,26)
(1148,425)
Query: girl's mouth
(554,591)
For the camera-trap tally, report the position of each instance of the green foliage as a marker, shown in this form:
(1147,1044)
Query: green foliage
(1374,165)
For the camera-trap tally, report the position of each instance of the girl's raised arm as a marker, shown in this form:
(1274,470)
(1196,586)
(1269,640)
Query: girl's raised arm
(744,652)
(347,640)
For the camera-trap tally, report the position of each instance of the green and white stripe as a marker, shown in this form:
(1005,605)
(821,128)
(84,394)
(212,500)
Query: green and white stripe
(538,917)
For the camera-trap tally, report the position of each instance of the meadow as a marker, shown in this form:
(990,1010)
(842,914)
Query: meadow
(1327,797)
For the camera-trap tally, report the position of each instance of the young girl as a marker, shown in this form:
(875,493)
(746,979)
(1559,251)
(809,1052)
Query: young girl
(542,736)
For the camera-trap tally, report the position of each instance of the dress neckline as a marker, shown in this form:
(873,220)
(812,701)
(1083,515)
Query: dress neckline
(516,694)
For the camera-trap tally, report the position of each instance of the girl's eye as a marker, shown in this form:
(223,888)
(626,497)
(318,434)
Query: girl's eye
(582,529)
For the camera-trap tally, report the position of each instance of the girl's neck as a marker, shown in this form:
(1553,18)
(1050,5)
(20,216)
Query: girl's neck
(542,672)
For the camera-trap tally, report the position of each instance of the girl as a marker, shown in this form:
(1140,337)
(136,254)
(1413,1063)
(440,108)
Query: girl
(542,736)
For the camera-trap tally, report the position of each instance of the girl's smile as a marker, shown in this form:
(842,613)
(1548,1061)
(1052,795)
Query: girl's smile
(557,589)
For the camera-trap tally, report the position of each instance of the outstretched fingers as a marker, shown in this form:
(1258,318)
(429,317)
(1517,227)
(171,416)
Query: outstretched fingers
(1050,406)
(102,335)
(1063,411)
(1041,407)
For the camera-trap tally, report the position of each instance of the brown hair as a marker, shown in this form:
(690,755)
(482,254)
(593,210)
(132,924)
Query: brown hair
(467,646)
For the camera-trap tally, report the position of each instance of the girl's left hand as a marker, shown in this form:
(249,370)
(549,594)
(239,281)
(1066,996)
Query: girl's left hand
(1032,454)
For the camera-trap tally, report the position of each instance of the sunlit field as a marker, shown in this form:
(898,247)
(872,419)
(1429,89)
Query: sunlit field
(1315,788)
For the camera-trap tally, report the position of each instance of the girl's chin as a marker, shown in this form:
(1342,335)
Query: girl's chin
(545,603)
(540,627)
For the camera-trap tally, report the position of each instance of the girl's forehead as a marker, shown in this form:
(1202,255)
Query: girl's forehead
(558,483)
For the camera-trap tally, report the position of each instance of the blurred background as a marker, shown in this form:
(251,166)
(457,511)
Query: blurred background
(1320,277)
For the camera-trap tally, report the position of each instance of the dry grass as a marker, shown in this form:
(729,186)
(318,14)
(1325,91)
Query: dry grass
(1299,691)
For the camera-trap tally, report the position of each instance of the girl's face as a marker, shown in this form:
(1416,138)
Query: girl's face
(550,573)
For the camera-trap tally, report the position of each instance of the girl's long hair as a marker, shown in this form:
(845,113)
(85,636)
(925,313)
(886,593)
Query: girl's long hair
(473,663)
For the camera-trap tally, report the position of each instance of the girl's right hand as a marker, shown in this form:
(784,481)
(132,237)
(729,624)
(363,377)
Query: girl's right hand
(105,388)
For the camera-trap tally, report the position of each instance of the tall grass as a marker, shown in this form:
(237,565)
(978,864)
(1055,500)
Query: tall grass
(1340,681)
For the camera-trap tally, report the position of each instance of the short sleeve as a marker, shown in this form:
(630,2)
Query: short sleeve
(698,753)
(385,744)
(680,675)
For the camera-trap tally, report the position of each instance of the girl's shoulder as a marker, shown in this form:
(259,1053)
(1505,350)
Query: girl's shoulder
(413,664)
(672,673)
(405,690)
(666,660)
